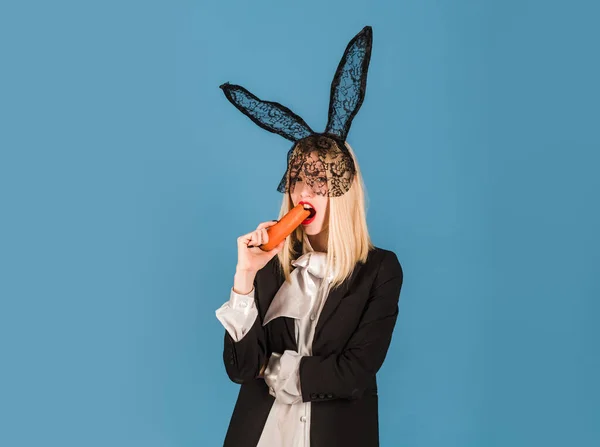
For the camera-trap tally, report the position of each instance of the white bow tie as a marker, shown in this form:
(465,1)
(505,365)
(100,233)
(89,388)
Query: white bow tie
(295,299)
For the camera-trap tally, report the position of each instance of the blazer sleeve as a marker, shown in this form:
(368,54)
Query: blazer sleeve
(346,375)
(245,357)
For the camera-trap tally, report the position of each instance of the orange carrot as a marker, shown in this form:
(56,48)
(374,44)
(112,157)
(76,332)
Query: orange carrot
(285,226)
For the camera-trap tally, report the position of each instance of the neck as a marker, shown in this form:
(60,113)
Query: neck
(319,241)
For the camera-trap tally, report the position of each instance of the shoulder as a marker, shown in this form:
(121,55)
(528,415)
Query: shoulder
(388,264)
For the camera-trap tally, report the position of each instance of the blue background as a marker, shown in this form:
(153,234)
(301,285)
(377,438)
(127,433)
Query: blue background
(126,177)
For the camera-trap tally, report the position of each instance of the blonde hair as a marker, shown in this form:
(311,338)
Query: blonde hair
(348,242)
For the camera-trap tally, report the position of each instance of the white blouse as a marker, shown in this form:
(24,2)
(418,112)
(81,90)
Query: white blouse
(288,423)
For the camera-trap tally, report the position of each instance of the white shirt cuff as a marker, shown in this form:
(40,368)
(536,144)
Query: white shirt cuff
(238,314)
(282,376)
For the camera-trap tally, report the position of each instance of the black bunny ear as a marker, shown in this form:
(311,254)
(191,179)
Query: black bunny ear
(271,116)
(349,84)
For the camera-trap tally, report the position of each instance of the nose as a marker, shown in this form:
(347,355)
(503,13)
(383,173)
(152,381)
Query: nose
(305,190)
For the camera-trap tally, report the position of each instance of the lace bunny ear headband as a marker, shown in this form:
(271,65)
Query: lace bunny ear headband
(321,160)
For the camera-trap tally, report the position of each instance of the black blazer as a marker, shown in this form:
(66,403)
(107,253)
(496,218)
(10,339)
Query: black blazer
(351,340)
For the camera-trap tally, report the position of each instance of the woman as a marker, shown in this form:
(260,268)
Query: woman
(308,324)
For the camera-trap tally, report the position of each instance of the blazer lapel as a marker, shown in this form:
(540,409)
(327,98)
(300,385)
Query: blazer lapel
(287,321)
(334,298)
(332,301)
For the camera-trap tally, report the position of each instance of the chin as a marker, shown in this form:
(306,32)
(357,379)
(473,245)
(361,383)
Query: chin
(313,230)
(310,231)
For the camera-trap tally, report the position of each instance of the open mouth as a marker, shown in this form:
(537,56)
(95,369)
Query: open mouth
(311,216)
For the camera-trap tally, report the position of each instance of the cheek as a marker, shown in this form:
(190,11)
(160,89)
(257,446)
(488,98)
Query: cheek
(324,214)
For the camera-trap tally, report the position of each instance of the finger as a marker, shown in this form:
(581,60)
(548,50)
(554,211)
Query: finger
(265,236)
(266,224)
(258,235)
(254,240)
(248,240)
(245,239)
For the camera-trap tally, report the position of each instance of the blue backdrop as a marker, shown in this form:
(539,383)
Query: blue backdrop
(126,177)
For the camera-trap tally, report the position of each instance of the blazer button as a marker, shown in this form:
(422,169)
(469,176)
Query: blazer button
(313,396)
(321,396)
(330,396)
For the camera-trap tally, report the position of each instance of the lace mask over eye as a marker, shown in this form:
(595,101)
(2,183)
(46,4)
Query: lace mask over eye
(319,162)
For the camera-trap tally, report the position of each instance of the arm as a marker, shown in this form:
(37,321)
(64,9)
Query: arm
(245,356)
(346,375)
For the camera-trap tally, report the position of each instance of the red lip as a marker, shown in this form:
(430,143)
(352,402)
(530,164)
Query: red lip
(310,218)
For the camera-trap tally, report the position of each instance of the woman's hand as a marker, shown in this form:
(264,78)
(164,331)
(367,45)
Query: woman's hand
(253,259)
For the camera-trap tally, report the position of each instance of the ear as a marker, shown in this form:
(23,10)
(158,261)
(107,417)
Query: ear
(349,84)
(269,115)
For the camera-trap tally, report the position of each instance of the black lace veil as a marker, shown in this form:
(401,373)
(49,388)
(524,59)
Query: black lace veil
(321,160)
